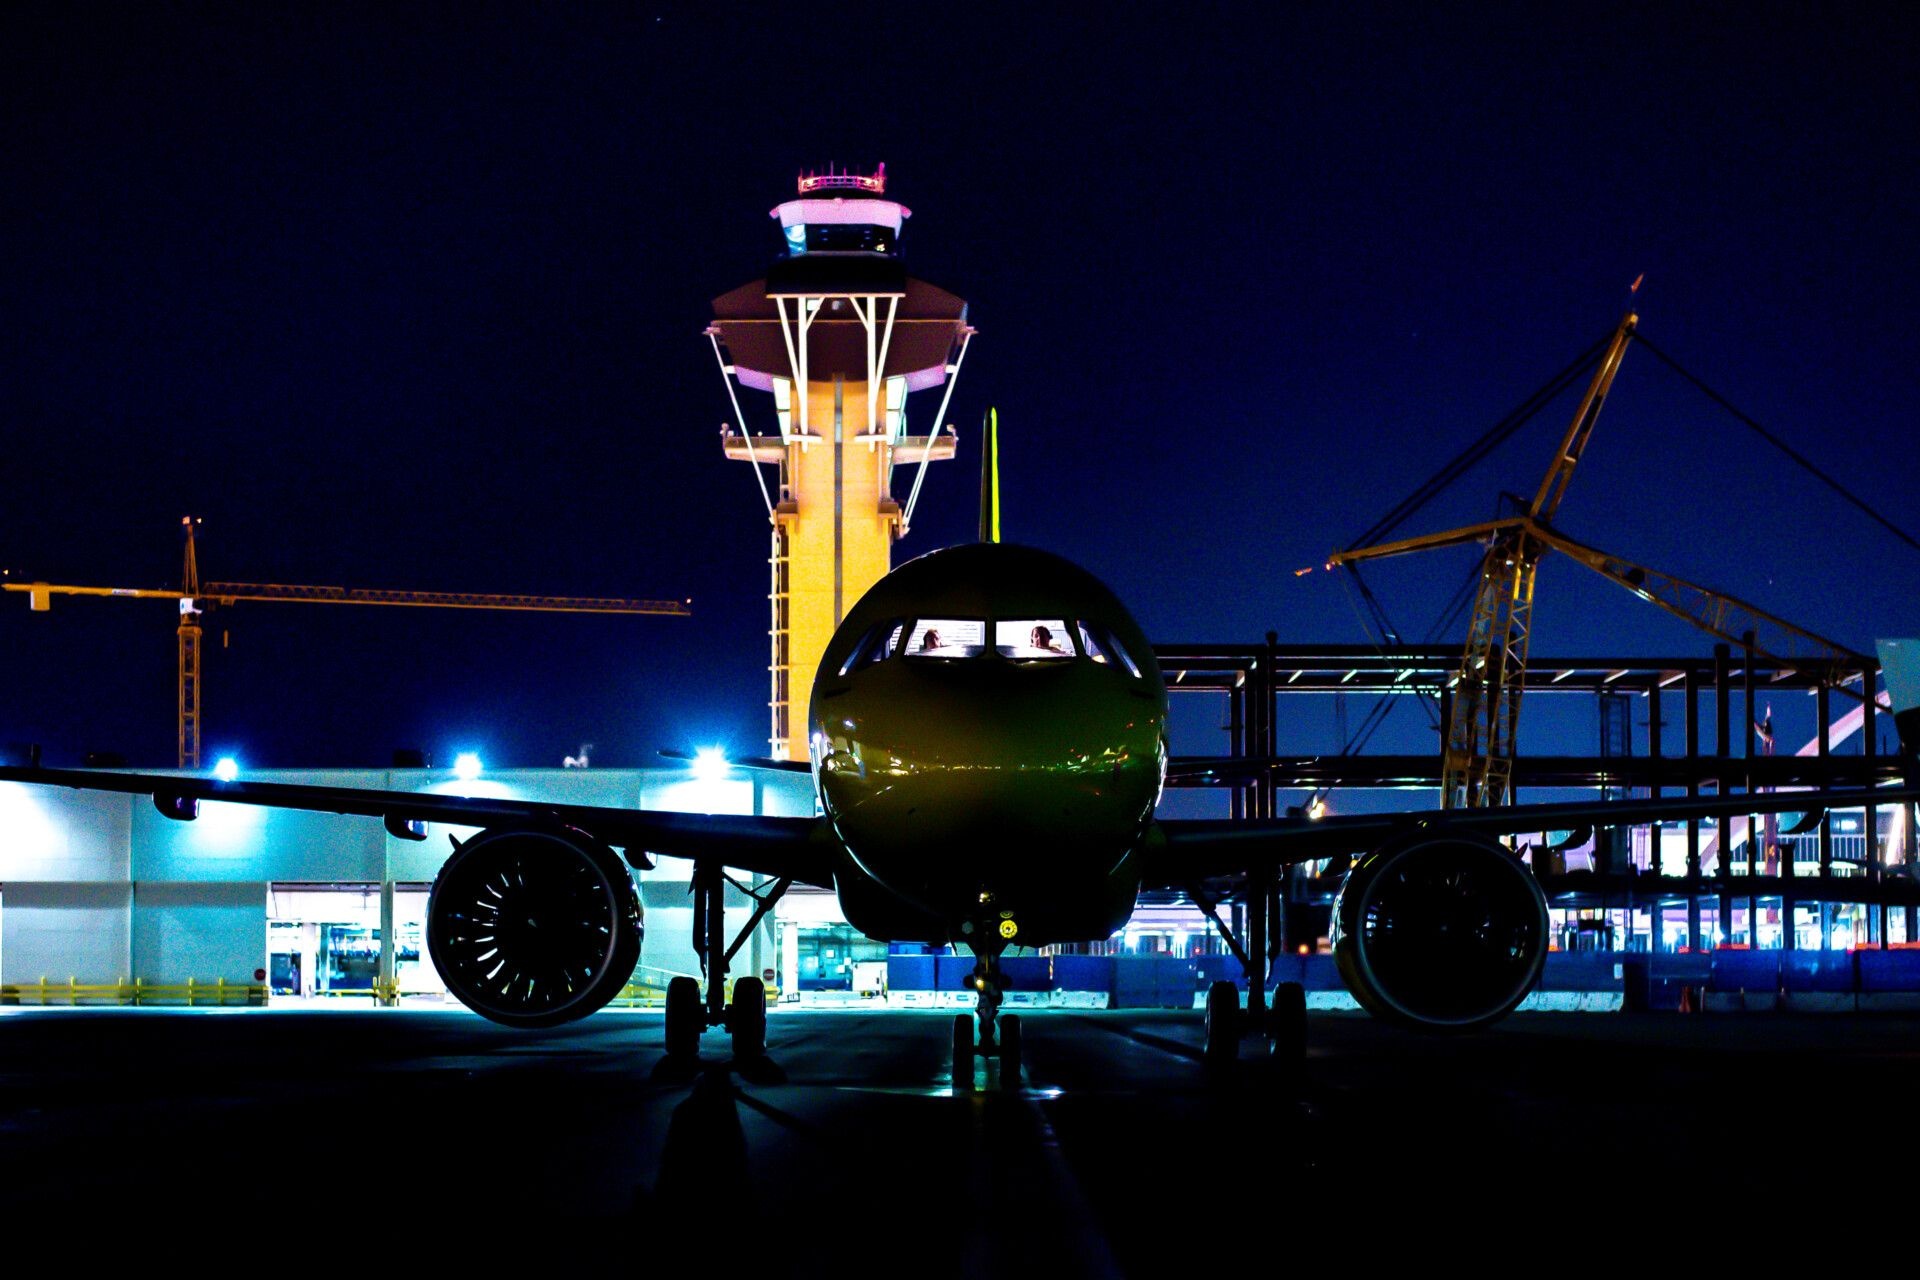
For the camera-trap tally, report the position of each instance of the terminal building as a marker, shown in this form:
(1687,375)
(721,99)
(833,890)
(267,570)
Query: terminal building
(100,891)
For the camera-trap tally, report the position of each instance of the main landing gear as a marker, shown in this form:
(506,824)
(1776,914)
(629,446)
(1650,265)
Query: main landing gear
(688,1012)
(1284,1025)
(999,1037)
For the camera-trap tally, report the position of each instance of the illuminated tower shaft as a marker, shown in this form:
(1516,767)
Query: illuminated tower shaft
(840,336)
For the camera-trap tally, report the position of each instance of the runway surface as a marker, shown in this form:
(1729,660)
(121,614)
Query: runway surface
(1117,1150)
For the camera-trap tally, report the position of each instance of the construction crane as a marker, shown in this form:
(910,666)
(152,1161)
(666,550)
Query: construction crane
(1483,723)
(196,599)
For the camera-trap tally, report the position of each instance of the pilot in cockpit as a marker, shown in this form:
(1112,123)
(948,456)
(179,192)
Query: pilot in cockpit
(1042,639)
(930,641)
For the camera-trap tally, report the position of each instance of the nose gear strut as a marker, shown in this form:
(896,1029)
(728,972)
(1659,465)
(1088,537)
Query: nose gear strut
(998,1036)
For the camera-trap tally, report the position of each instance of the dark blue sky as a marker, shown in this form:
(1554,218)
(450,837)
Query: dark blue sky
(412,297)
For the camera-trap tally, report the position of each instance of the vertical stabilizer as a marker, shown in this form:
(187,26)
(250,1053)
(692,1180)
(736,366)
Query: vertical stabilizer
(990,478)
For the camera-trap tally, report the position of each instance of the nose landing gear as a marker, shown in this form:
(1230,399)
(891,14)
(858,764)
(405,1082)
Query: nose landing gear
(999,1037)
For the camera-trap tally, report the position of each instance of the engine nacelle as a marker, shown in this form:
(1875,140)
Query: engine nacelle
(1440,932)
(533,927)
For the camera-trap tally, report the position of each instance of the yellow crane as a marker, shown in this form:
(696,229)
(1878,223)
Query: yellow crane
(197,598)
(1477,767)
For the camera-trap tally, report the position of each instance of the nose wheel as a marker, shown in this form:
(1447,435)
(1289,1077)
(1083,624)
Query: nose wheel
(998,1037)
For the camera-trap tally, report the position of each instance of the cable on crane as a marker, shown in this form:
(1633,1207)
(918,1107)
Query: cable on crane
(1384,705)
(1495,436)
(1747,421)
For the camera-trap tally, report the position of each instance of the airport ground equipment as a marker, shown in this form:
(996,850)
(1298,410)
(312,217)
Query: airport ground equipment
(839,335)
(197,598)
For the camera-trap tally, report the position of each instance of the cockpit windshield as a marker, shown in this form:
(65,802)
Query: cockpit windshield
(1101,645)
(1032,639)
(1022,640)
(879,644)
(947,638)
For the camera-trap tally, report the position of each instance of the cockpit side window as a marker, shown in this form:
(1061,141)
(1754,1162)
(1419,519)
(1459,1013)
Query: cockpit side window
(877,645)
(947,638)
(1103,647)
(1033,639)
(1091,647)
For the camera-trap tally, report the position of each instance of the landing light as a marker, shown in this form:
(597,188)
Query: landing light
(466,766)
(227,769)
(710,764)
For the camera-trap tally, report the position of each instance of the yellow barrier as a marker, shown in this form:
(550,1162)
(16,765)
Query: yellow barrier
(191,993)
(645,994)
(650,994)
(384,993)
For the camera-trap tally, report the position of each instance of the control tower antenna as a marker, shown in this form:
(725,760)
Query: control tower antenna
(839,335)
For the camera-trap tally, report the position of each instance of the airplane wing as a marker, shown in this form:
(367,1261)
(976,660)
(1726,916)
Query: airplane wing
(780,847)
(1199,848)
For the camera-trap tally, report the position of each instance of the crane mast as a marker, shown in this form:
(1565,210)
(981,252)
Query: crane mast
(190,633)
(1477,768)
(1482,724)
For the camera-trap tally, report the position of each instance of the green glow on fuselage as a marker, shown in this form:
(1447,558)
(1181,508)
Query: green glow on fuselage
(969,788)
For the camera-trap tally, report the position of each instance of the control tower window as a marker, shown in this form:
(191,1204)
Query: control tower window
(1032,639)
(1101,646)
(947,638)
(841,237)
(877,645)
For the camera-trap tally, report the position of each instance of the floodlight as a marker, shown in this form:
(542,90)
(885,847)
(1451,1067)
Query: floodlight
(710,764)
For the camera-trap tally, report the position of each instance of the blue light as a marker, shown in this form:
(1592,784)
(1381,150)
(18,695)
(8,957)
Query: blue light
(227,769)
(466,766)
(710,764)
(797,238)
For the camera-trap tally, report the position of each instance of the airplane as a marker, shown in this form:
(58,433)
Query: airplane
(988,731)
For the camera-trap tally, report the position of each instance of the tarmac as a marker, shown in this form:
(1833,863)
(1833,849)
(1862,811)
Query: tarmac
(1117,1152)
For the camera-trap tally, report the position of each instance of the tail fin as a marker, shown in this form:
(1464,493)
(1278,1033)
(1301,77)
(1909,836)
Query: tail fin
(990,477)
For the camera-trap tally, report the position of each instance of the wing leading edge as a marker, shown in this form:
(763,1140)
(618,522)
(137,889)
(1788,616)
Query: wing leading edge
(780,847)
(1198,848)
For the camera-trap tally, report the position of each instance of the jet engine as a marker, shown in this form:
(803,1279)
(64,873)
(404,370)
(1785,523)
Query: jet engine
(534,927)
(1440,932)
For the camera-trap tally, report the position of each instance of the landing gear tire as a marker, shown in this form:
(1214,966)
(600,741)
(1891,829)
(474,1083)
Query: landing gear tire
(1223,1022)
(1010,1051)
(963,1051)
(685,1020)
(747,1019)
(1288,1023)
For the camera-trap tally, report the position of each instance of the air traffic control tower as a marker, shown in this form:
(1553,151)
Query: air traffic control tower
(840,336)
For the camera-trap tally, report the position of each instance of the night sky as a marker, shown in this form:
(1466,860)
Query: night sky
(402,296)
